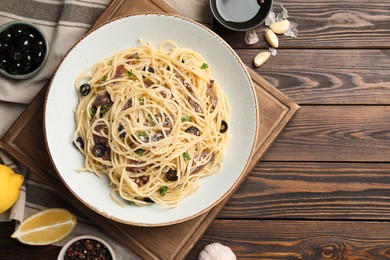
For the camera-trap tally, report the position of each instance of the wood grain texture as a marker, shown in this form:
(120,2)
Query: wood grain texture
(300,239)
(331,77)
(327,24)
(296,190)
(12,249)
(335,133)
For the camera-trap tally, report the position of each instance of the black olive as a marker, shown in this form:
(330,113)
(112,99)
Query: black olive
(37,54)
(224,127)
(99,150)
(80,141)
(15,55)
(193,130)
(3,47)
(85,89)
(171,175)
(120,128)
(26,69)
(150,69)
(14,68)
(149,200)
(17,31)
(31,35)
(4,63)
(6,36)
(39,43)
(23,42)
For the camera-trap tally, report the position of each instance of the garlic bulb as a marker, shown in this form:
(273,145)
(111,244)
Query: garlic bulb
(216,251)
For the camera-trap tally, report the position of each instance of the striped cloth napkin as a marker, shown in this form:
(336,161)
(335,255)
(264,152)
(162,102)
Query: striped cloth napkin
(63,22)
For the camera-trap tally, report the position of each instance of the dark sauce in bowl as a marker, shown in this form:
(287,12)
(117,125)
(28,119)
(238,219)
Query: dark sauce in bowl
(23,50)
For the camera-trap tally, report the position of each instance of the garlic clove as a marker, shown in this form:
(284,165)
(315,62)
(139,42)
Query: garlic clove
(280,27)
(271,38)
(261,58)
(216,251)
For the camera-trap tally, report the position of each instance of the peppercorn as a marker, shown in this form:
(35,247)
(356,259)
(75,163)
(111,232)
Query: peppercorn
(87,249)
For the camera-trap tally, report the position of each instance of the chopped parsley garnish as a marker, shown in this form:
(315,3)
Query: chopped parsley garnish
(168,68)
(130,74)
(154,123)
(142,134)
(137,56)
(186,156)
(92,110)
(140,152)
(204,66)
(163,190)
(186,119)
(104,78)
(105,108)
(141,100)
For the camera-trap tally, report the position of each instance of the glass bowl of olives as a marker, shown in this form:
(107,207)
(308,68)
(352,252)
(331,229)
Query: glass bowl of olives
(23,50)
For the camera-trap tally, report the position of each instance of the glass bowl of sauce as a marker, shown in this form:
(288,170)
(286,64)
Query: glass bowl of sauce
(23,50)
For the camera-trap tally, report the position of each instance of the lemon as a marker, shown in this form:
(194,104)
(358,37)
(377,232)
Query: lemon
(45,227)
(10,183)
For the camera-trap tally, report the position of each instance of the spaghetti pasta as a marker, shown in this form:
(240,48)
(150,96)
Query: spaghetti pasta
(153,120)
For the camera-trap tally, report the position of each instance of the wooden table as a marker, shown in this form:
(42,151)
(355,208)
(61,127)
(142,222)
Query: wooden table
(323,190)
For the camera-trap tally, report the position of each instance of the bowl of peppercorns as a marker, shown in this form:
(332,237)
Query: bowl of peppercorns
(86,247)
(23,50)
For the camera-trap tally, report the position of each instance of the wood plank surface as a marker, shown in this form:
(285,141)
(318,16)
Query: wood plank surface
(331,77)
(296,190)
(328,24)
(335,133)
(278,239)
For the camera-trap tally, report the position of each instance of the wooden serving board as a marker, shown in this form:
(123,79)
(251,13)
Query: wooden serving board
(25,142)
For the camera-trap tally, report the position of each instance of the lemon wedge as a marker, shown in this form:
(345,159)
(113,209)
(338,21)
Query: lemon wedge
(46,227)
(10,183)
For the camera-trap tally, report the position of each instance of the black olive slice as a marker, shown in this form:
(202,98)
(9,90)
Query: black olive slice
(193,130)
(149,200)
(99,150)
(85,89)
(120,128)
(80,141)
(224,127)
(171,175)
(149,69)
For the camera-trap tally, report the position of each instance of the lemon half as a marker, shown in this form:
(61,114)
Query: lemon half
(46,227)
(10,183)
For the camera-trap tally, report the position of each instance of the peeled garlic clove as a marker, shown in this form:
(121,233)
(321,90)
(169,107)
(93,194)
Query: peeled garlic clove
(216,251)
(280,27)
(271,38)
(261,58)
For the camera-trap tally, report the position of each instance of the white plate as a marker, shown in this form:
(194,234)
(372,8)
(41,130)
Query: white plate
(123,33)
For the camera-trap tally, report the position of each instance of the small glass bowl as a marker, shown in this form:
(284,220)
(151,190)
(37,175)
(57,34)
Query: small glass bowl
(61,255)
(32,28)
(247,25)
